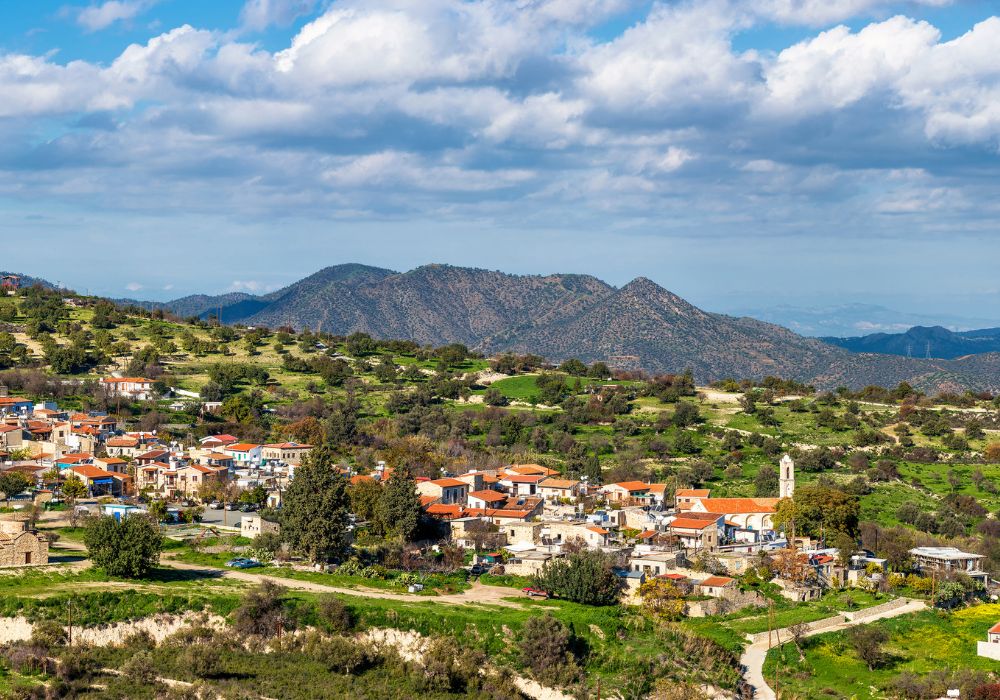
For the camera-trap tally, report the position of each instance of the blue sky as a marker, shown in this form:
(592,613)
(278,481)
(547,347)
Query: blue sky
(740,153)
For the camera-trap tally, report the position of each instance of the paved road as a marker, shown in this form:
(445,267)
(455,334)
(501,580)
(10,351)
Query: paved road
(754,655)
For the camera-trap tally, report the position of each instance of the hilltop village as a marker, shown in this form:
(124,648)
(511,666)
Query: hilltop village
(469,526)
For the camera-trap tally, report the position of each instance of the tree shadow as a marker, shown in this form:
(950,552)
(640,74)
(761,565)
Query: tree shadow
(165,574)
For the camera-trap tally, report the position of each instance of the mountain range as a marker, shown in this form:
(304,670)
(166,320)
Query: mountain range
(925,341)
(855,319)
(639,325)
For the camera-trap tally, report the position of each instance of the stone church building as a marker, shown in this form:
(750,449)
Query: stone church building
(20,546)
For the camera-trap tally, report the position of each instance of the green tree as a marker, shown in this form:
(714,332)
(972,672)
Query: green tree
(72,489)
(819,510)
(128,548)
(365,497)
(765,484)
(316,508)
(12,483)
(399,509)
(583,577)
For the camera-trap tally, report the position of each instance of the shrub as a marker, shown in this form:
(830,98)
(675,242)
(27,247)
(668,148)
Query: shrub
(338,654)
(334,614)
(545,647)
(139,668)
(262,611)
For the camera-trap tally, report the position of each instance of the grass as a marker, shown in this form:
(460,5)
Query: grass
(730,630)
(927,641)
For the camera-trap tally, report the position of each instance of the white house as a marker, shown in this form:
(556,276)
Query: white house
(244,453)
(446,491)
(135,388)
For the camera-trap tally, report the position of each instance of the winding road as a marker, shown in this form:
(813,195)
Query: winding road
(755,654)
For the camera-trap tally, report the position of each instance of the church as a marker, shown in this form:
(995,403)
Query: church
(748,514)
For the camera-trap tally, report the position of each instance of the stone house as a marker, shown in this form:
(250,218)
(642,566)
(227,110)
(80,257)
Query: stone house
(20,546)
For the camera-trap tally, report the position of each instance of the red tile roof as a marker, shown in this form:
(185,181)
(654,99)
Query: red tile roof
(693,493)
(739,505)
(488,495)
(716,581)
(524,478)
(448,483)
(631,486)
(690,524)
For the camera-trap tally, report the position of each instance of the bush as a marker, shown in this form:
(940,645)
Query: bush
(545,647)
(262,611)
(334,614)
(338,654)
(140,669)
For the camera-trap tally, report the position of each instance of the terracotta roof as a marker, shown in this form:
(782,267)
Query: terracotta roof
(218,456)
(558,483)
(531,469)
(427,500)
(631,486)
(488,495)
(358,478)
(131,380)
(448,483)
(89,471)
(739,505)
(674,577)
(693,493)
(242,447)
(690,523)
(289,446)
(225,438)
(598,530)
(524,478)
(111,460)
(995,629)
(646,534)
(201,468)
(123,442)
(8,428)
(452,510)
(716,581)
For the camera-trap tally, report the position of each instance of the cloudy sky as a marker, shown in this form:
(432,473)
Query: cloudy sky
(739,152)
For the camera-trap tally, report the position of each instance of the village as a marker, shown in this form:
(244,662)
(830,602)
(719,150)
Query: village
(514,521)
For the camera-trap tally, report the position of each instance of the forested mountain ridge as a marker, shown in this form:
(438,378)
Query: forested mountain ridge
(558,316)
(924,341)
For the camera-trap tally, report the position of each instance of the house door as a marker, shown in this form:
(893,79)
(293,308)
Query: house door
(27,557)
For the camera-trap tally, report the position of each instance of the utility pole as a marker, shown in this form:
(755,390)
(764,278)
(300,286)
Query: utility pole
(69,621)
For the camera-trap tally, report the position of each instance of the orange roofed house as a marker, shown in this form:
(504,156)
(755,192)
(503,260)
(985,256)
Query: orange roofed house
(445,491)
(634,492)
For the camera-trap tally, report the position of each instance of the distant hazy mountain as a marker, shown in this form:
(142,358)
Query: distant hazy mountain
(640,325)
(850,320)
(923,341)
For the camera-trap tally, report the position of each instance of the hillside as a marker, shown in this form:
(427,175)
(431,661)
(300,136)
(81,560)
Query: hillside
(924,341)
(641,325)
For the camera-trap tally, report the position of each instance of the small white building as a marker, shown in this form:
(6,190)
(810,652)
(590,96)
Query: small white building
(253,525)
(136,388)
(991,647)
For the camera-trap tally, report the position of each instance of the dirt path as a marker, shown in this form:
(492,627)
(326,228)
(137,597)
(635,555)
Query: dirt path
(478,593)
(755,654)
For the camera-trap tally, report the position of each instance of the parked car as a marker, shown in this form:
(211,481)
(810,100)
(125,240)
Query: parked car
(215,505)
(232,506)
(248,508)
(243,563)
(532,592)
(478,569)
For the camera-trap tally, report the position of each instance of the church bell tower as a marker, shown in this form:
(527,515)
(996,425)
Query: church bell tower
(786,477)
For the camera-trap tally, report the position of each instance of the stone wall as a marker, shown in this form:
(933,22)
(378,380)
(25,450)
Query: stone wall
(865,613)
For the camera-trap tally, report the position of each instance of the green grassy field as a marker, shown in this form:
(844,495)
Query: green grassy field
(920,643)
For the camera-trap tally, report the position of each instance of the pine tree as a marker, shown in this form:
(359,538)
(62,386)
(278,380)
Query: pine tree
(399,509)
(315,509)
